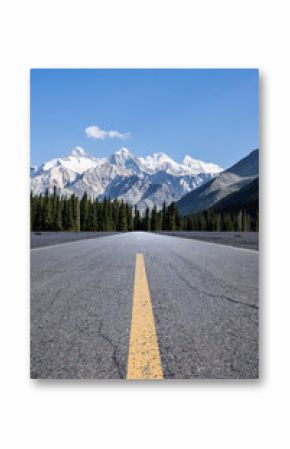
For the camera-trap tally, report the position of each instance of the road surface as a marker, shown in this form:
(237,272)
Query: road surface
(142,305)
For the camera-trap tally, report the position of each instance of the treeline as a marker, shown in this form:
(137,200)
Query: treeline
(52,212)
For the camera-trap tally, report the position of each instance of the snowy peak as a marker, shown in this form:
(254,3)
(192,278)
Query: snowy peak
(187,160)
(78,152)
(124,152)
(189,166)
(157,158)
(123,158)
(198,166)
(160,156)
(160,162)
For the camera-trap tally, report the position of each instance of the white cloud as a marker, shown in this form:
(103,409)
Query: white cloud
(94,132)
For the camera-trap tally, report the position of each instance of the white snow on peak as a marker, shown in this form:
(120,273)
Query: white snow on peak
(156,162)
(159,155)
(189,166)
(78,152)
(125,159)
(122,154)
(124,151)
(197,166)
(78,161)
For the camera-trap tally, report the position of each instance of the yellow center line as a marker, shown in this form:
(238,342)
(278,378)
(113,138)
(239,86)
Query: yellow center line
(144,357)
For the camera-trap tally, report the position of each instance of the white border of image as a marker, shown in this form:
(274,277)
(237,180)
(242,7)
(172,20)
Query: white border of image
(202,414)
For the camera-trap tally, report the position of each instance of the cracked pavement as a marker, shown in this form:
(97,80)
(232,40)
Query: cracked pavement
(204,298)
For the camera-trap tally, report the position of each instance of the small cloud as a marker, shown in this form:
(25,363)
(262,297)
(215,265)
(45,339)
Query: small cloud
(117,135)
(94,132)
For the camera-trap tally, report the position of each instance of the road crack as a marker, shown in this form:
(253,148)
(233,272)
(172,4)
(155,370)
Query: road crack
(212,295)
(114,348)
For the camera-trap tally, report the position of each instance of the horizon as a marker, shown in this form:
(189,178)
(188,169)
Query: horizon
(208,114)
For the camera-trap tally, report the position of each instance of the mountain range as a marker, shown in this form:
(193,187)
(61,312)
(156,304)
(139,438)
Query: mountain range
(141,181)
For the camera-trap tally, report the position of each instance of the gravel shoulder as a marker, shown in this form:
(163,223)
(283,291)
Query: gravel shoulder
(39,239)
(249,240)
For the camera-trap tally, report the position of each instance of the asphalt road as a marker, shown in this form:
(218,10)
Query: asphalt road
(204,298)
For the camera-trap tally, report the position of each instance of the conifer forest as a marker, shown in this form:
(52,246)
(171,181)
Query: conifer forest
(53,212)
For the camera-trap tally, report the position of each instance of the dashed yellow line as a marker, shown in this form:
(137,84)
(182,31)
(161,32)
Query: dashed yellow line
(144,357)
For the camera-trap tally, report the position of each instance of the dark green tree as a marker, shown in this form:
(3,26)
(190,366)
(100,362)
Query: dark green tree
(147,220)
(154,218)
(84,212)
(122,224)
(47,212)
(57,216)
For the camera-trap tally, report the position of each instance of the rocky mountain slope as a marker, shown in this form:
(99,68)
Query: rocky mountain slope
(246,198)
(226,183)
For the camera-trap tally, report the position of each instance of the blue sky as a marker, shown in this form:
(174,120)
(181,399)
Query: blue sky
(209,114)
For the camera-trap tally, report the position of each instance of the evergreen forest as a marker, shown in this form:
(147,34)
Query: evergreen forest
(53,212)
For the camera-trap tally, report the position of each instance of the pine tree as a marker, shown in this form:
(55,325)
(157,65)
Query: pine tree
(105,214)
(69,215)
(115,215)
(147,226)
(129,217)
(57,216)
(84,212)
(92,216)
(38,214)
(171,217)
(136,220)
(47,212)
(164,217)
(122,225)
(154,218)
(110,224)
(75,207)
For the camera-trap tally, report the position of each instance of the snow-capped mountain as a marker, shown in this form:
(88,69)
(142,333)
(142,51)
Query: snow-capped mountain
(143,181)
